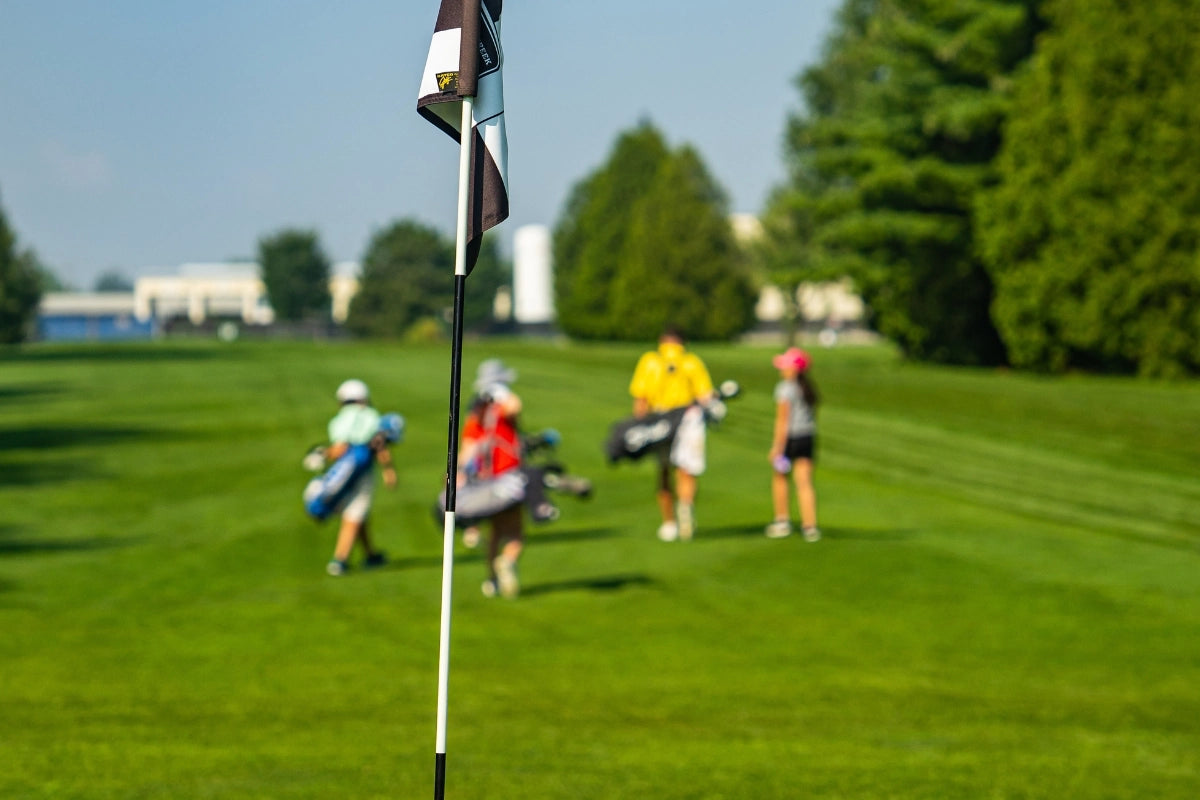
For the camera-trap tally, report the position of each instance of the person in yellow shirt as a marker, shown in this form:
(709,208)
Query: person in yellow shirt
(667,378)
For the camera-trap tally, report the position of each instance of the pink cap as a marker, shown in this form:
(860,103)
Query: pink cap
(792,358)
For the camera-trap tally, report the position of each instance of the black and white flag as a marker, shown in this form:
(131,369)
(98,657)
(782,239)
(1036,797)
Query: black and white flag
(440,102)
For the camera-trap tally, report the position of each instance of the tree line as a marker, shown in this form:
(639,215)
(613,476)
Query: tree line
(406,288)
(21,285)
(1005,181)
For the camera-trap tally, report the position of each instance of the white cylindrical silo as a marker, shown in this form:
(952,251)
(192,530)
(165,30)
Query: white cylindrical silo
(533,290)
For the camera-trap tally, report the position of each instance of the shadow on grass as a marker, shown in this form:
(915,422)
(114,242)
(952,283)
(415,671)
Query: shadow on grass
(11,544)
(869,534)
(39,437)
(29,392)
(140,352)
(32,473)
(604,583)
(729,531)
(429,562)
(836,533)
(478,554)
(567,537)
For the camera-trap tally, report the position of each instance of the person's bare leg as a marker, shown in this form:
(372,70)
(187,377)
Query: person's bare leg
(665,494)
(685,487)
(666,504)
(506,528)
(493,548)
(364,537)
(803,472)
(348,534)
(779,496)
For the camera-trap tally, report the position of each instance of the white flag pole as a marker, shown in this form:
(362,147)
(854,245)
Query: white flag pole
(464,186)
(460,278)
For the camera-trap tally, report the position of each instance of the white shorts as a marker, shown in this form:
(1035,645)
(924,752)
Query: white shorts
(687,452)
(358,502)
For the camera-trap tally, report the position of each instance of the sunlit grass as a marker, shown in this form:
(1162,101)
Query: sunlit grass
(1005,603)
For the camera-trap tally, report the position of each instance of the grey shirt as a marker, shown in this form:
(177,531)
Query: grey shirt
(800,415)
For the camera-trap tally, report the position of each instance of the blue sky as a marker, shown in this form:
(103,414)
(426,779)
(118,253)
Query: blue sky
(137,135)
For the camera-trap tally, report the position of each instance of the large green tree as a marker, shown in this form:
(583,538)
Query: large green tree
(1093,234)
(295,271)
(680,264)
(20,286)
(407,275)
(902,123)
(645,240)
(408,279)
(589,239)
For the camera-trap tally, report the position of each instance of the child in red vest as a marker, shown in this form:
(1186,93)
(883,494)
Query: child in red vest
(491,446)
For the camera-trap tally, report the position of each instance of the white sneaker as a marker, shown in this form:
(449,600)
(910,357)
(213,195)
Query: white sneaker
(668,532)
(779,529)
(506,576)
(812,534)
(686,514)
(470,537)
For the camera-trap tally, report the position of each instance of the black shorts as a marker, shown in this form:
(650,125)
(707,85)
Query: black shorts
(800,447)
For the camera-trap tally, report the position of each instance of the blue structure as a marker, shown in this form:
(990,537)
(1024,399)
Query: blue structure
(91,317)
(80,327)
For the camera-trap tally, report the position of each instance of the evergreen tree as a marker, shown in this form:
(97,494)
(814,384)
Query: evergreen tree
(47,280)
(589,238)
(296,273)
(1093,234)
(407,276)
(645,240)
(680,264)
(903,121)
(20,286)
(408,279)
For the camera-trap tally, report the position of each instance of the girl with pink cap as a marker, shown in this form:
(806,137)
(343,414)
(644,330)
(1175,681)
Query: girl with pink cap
(793,445)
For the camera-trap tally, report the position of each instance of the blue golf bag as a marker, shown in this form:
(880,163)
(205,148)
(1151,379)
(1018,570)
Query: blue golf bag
(324,494)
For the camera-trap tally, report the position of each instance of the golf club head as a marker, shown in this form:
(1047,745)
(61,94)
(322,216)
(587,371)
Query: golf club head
(314,459)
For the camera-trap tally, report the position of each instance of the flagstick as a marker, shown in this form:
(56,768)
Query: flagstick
(460,285)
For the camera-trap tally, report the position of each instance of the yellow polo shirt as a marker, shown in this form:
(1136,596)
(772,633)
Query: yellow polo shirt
(670,377)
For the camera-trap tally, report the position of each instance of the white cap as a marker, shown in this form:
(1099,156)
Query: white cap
(493,371)
(352,391)
(496,392)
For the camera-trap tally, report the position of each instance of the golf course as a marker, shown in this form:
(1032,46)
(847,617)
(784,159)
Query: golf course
(1005,602)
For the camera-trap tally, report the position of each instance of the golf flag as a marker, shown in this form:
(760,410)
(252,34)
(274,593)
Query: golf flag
(445,81)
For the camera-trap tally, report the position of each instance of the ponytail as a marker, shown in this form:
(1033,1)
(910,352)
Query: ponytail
(808,390)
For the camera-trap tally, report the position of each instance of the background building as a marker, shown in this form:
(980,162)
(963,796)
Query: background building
(533,276)
(90,316)
(198,294)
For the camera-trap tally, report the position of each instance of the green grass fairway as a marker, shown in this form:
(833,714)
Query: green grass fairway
(1006,603)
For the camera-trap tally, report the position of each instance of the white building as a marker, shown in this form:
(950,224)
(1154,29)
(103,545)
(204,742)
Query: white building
(202,290)
(833,303)
(533,276)
(90,316)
